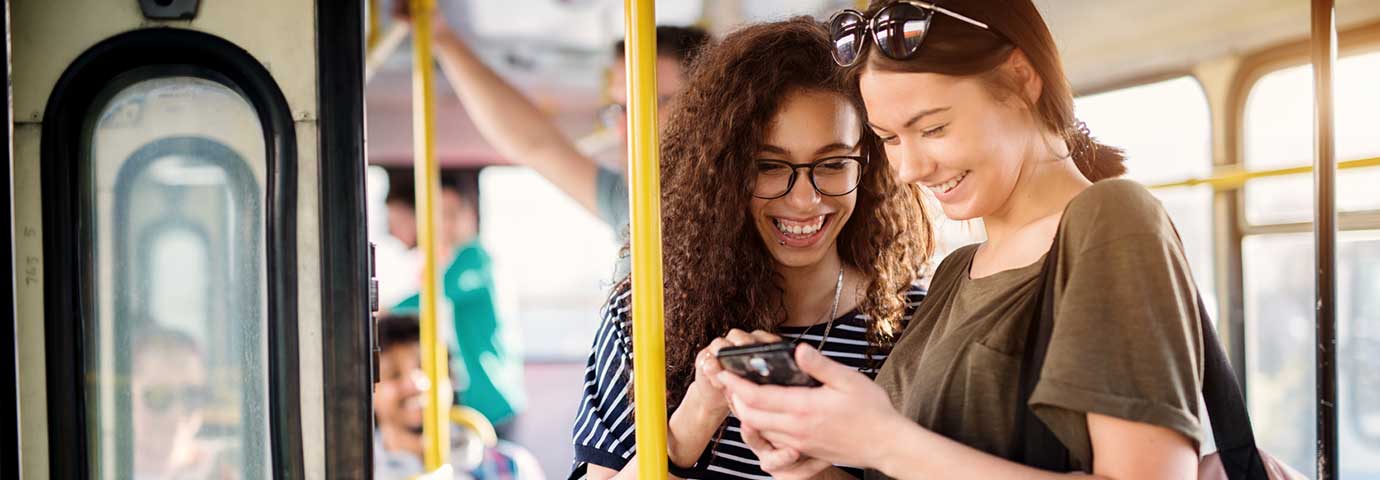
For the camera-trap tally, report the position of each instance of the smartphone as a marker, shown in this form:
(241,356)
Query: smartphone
(766,364)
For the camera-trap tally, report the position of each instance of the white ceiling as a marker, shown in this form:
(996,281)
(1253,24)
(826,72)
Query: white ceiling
(1113,41)
(557,50)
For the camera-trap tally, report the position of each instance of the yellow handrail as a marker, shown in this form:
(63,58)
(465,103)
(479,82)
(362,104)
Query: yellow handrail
(435,425)
(1232,178)
(649,347)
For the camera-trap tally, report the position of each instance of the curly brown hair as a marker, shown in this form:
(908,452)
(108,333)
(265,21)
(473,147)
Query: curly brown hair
(719,274)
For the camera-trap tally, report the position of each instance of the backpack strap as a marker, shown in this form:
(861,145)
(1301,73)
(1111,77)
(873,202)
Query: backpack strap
(1040,448)
(1226,406)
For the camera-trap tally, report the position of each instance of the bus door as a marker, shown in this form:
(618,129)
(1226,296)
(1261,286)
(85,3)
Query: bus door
(192,278)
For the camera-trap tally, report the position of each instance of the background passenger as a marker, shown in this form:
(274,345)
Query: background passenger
(520,132)
(774,221)
(169,390)
(487,347)
(399,401)
(982,115)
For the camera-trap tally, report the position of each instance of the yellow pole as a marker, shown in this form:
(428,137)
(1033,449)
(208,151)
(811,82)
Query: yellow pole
(434,422)
(371,38)
(1229,179)
(649,348)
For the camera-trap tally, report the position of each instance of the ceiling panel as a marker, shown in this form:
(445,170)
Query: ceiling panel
(558,50)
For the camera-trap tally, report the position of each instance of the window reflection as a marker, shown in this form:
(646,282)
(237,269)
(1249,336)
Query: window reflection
(176,347)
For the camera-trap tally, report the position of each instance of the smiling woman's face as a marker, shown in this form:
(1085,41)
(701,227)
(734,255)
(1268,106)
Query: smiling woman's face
(950,135)
(802,227)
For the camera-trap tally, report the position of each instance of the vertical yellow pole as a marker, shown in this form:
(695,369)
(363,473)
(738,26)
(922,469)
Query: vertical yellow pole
(649,348)
(434,427)
(371,37)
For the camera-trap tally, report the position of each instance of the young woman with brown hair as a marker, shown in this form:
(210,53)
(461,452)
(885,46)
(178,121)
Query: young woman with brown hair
(971,101)
(776,219)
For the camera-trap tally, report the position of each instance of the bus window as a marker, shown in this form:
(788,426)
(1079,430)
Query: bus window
(176,347)
(1166,131)
(553,261)
(1279,275)
(1279,133)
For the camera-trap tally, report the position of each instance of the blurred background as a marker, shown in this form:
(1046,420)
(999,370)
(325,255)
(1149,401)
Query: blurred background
(1186,87)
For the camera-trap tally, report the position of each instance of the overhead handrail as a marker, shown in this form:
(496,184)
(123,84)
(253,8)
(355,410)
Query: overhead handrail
(1232,178)
(649,347)
(435,418)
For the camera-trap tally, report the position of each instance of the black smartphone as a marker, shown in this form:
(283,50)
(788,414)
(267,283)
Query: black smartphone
(766,364)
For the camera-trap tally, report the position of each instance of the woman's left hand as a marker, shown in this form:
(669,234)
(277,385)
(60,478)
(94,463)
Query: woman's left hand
(782,463)
(835,423)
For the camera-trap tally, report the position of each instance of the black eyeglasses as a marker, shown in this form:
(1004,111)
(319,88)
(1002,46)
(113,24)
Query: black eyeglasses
(833,176)
(898,29)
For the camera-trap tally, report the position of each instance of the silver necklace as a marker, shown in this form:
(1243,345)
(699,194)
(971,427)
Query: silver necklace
(833,312)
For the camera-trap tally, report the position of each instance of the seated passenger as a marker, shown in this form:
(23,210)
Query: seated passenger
(777,219)
(978,109)
(399,399)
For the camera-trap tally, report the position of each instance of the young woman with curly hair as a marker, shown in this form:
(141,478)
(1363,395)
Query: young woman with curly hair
(779,216)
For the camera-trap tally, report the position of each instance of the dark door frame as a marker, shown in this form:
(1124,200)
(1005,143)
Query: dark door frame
(346,325)
(9,466)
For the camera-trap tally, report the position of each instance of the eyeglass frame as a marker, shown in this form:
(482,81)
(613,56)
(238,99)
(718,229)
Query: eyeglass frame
(870,26)
(795,174)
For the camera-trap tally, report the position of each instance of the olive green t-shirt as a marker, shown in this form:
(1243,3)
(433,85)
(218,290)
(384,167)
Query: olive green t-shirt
(1125,343)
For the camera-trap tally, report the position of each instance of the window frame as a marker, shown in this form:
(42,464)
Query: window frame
(1231,203)
(1254,67)
(68,284)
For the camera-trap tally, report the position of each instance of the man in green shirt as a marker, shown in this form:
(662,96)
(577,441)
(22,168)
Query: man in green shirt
(486,347)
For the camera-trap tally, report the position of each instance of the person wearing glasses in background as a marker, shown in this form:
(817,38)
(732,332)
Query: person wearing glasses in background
(970,100)
(520,132)
(169,395)
(776,219)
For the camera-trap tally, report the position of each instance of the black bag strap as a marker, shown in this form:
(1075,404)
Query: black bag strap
(1226,406)
(1041,449)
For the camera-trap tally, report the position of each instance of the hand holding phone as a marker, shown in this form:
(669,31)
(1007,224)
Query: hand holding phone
(766,364)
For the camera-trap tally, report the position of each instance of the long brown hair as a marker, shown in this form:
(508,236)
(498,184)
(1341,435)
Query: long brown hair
(719,274)
(953,47)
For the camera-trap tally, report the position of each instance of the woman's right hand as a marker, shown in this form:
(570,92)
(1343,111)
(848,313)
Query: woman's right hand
(706,388)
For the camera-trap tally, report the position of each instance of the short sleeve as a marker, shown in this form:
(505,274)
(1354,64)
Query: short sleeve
(611,198)
(1126,340)
(603,431)
(611,201)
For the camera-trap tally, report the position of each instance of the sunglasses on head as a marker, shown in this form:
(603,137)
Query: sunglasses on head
(897,29)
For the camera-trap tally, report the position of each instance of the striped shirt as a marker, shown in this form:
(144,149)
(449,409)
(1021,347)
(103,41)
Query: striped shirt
(603,431)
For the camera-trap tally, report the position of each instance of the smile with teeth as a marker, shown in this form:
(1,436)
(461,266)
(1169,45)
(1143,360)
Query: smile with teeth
(799,228)
(949,184)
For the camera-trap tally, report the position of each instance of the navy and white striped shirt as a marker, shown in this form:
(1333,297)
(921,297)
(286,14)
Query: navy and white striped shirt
(603,432)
